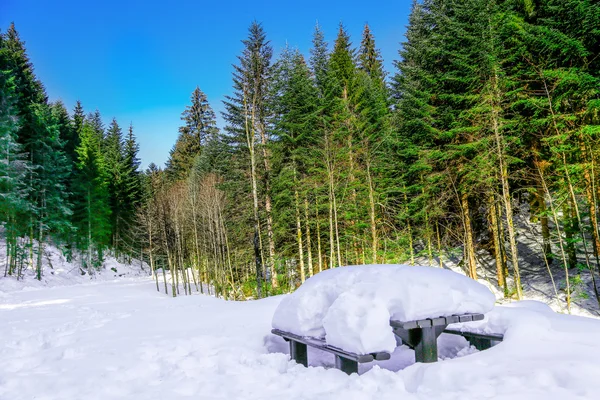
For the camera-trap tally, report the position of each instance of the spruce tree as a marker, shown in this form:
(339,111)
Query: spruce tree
(93,207)
(319,58)
(369,57)
(116,169)
(200,124)
(14,169)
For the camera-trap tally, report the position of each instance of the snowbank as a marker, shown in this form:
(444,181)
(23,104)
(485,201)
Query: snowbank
(351,306)
(57,271)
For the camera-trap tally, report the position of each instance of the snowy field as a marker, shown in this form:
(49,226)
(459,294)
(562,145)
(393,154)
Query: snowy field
(123,340)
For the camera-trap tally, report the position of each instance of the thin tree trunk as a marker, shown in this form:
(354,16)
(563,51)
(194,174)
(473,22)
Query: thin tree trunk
(308,245)
(374,238)
(560,240)
(250,139)
(409,227)
(498,246)
(439,243)
(469,244)
(268,207)
(318,223)
(299,238)
(331,218)
(580,227)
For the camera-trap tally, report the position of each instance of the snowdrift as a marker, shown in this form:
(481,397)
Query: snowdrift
(351,306)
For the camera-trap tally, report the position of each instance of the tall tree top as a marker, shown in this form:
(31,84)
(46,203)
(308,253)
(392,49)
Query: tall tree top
(199,118)
(14,57)
(318,57)
(341,61)
(78,117)
(369,58)
(95,121)
(199,126)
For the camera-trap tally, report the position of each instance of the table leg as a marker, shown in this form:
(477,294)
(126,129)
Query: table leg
(426,348)
(346,365)
(298,352)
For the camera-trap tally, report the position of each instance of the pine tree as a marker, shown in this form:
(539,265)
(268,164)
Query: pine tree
(93,208)
(369,57)
(200,124)
(14,169)
(116,169)
(39,135)
(132,189)
(247,116)
(319,58)
(296,113)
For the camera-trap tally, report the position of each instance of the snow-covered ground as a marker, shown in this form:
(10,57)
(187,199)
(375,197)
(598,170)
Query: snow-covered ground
(113,336)
(123,340)
(57,271)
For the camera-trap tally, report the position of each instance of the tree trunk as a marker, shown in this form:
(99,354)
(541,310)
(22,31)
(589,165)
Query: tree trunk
(257,236)
(374,239)
(308,245)
(299,238)
(498,246)
(268,208)
(469,244)
(560,240)
(409,227)
(318,223)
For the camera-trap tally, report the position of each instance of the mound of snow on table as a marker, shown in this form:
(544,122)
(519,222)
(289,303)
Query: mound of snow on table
(351,306)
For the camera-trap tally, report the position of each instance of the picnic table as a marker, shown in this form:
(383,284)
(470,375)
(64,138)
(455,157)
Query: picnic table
(420,335)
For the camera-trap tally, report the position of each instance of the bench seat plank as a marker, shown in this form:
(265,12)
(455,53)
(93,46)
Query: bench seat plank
(344,360)
(481,341)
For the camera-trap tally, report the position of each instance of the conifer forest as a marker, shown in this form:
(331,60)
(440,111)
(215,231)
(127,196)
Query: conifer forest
(482,143)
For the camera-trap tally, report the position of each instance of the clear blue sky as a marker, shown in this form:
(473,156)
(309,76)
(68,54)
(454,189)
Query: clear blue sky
(139,61)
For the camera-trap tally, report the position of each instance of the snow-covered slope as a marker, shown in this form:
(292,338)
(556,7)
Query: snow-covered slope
(57,271)
(123,340)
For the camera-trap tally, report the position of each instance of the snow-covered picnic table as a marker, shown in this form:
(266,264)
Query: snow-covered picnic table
(358,312)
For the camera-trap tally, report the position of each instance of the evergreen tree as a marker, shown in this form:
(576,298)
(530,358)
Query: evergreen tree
(200,124)
(369,57)
(247,116)
(14,169)
(319,58)
(116,169)
(93,206)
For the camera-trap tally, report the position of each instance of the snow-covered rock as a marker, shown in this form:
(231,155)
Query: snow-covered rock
(351,306)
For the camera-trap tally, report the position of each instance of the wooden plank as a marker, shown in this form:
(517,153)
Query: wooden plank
(403,325)
(424,323)
(321,345)
(491,336)
(451,319)
(382,356)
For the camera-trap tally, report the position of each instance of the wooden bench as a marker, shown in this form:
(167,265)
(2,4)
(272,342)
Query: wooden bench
(344,360)
(481,341)
(421,335)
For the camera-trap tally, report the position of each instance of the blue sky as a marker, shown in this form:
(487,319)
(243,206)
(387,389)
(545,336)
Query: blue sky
(139,61)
